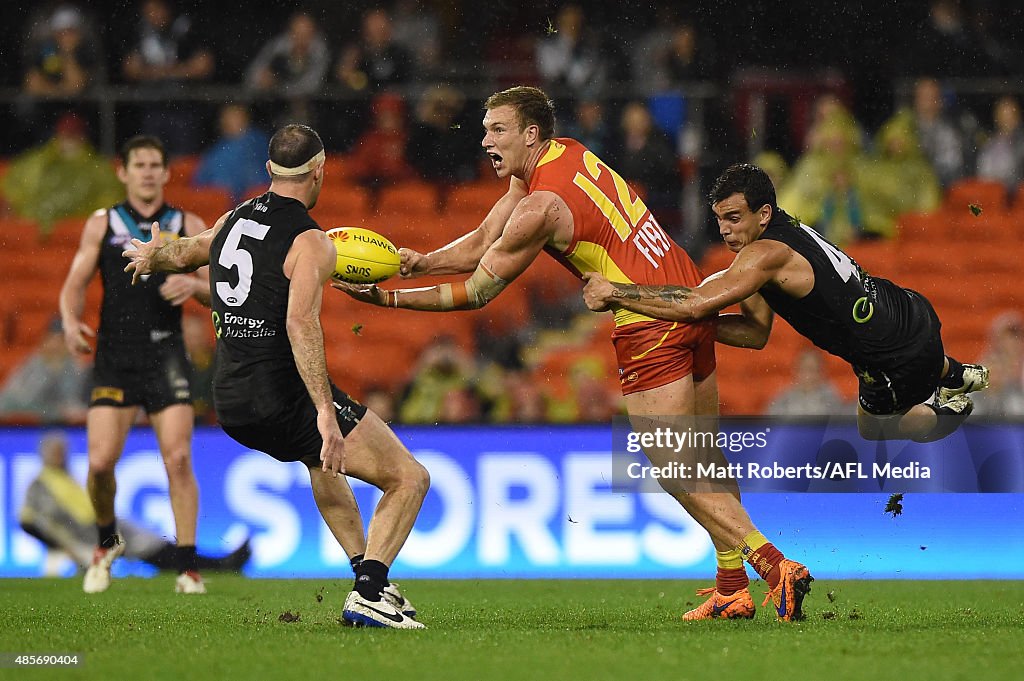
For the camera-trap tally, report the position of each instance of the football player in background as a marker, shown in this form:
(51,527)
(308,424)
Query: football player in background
(140,355)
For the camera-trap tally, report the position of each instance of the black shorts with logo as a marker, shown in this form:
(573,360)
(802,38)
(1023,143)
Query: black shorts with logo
(151,375)
(293,435)
(902,384)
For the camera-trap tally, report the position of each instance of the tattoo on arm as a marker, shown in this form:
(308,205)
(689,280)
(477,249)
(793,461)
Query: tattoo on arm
(668,294)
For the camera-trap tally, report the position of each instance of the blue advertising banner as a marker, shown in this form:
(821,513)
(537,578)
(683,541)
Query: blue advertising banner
(522,502)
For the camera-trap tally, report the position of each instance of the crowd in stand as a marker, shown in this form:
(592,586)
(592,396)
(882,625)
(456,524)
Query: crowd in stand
(398,116)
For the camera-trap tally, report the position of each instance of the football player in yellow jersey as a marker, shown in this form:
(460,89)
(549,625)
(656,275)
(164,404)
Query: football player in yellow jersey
(565,200)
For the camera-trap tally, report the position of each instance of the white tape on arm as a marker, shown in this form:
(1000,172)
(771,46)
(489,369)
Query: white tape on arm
(483,286)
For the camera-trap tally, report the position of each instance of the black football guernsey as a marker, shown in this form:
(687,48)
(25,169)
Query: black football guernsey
(255,377)
(135,314)
(868,321)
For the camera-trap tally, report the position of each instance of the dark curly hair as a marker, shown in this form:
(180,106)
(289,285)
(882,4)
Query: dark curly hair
(746,179)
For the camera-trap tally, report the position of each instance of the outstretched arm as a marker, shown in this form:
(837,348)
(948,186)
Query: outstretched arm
(464,254)
(754,267)
(527,231)
(178,288)
(750,328)
(181,255)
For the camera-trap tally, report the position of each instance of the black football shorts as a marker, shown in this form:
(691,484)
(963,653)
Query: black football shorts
(293,436)
(899,386)
(151,375)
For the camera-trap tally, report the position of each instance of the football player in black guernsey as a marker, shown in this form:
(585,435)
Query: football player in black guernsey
(269,261)
(888,334)
(140,354)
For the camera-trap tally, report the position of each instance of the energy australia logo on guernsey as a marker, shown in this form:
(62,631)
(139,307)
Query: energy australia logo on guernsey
(232,325)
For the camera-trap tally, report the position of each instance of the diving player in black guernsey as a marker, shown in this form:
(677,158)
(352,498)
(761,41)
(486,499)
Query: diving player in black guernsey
(888,334)
(269,261)
(140,355)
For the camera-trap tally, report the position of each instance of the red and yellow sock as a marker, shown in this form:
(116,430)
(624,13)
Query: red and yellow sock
(762,556)
(732,576)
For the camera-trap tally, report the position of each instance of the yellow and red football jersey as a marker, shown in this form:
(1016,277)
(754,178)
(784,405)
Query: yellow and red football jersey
(613,231)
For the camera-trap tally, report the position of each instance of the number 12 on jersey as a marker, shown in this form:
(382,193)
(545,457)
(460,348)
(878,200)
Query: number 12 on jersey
(649,239)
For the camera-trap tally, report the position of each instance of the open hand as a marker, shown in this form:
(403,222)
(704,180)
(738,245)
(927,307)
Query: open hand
(141,254)
(364,293)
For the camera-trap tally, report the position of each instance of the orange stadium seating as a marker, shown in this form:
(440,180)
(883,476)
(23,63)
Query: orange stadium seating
(988,195)
(208,203)
(965,264)
(181,170)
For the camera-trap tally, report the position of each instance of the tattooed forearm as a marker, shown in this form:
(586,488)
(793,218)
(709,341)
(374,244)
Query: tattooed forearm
(668,294)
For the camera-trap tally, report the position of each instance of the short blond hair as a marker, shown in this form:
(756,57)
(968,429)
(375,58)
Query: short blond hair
(532,108)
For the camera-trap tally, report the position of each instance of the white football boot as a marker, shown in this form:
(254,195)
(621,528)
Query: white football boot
(975,379)
(395,598)
(97,575)
(189,582)
(361,612)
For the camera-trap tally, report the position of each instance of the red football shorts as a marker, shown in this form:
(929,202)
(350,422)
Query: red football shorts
(656,353)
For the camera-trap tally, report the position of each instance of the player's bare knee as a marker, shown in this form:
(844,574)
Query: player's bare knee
(422,478)
(415,477)
(178,461)
(410,477)
(102,470)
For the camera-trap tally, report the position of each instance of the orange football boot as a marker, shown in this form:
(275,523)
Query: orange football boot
(789,594)
(738,605)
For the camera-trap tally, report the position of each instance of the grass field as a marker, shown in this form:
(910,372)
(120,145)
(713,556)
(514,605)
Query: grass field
(487,630)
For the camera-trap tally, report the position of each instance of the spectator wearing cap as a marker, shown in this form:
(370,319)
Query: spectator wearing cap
(64,62)
(573,58)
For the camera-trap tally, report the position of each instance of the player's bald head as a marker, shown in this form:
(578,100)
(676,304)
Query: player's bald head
(292,146)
